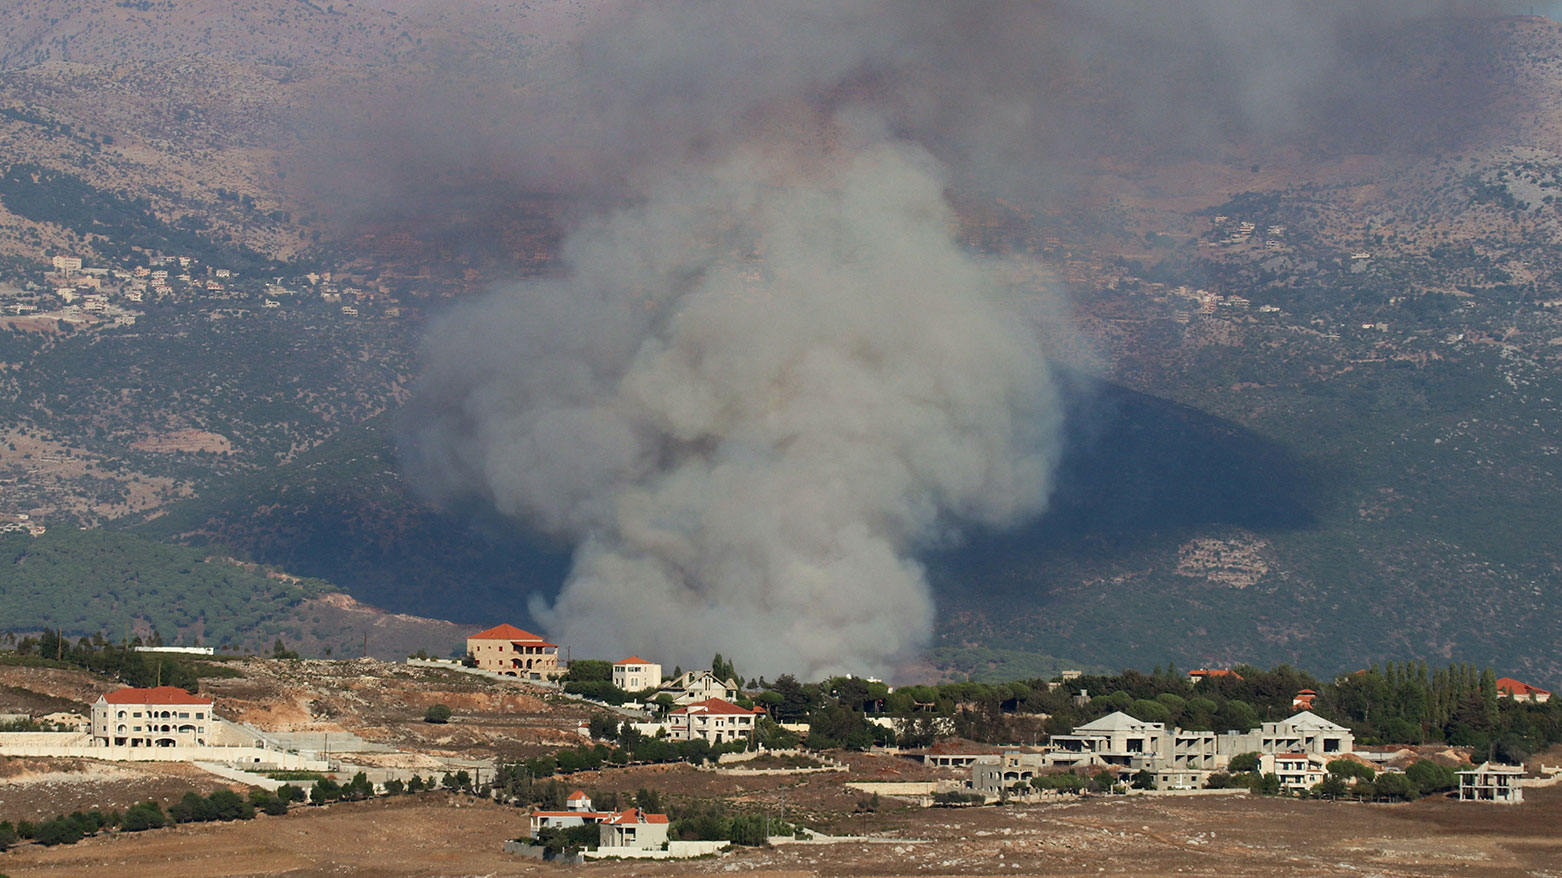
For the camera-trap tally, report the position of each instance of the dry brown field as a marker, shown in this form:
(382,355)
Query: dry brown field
(1229,837)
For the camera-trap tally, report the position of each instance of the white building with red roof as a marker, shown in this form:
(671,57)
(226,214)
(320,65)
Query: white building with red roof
(1521,691)
(633,828)
(635,673)
(165,716)
(506,649)
(714,719)
(577,812)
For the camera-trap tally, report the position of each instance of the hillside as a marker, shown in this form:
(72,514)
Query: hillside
(120,585)
(1312,396)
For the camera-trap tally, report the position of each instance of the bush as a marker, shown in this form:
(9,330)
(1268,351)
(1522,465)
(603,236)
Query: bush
(1394,786)
(60,830)
(1244,762)
(956,799)
(598,690)
(192,807)
(228,805)
(589,670)
(1347,768)
(1430,777)
(1069,783)
(147,815)
(1267,784)
(437,713)
(325,790)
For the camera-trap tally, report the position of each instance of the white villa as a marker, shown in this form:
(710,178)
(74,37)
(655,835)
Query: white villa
(578,812)
(713,719)
(165,716)
(634,674)
(633,829)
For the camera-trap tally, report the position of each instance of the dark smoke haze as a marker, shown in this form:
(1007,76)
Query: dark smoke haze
(771,375)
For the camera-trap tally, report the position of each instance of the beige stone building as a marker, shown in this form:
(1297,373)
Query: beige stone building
(506,649)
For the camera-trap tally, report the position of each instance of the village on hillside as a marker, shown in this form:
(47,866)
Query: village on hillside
(1207,732)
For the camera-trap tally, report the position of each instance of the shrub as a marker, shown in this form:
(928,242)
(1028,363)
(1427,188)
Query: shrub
(1430,777)
(228,805)
(437,713)
(60,830)
(1244,762)
(147,815)
(1394,786)
(956,798)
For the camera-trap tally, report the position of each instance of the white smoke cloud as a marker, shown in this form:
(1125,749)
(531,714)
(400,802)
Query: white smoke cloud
(756,395)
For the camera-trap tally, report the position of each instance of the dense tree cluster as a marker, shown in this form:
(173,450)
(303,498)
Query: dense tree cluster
(120,661)
(95,582)
(120,225)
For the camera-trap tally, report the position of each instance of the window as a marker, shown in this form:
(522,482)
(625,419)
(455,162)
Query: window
(184,714)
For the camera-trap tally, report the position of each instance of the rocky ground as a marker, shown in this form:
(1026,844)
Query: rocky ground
(384,702)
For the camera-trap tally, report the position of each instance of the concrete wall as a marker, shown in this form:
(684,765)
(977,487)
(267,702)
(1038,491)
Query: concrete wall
(676,850)
(246,756)
(478,672)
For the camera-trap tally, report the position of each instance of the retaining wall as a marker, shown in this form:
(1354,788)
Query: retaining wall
(249,757)
(676,850)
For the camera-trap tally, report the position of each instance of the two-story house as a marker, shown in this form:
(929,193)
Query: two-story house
(634,674)
(506,649)
(714,719)
(165,716)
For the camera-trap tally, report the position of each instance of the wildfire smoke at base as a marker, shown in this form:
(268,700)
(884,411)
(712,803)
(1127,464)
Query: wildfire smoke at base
(748,404)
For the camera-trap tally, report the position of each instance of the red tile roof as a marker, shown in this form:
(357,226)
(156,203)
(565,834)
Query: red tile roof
(715,705)
(575,796)
(1518,689)
(158,695)
(505,632)
(1214,672)
(634,815)
(634,660)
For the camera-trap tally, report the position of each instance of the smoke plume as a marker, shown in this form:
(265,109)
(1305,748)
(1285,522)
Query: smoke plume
(770,375)
(756,393)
